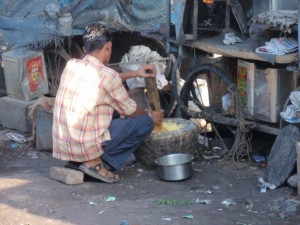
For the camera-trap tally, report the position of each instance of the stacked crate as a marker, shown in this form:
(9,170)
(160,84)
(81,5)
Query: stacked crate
(25,80)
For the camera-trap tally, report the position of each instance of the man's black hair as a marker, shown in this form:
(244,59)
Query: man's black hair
(95,36)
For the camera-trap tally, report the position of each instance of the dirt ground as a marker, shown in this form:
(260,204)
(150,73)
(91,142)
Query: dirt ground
(29,197)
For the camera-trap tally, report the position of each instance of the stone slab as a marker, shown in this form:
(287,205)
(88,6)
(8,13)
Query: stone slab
(13,114)
(283,156)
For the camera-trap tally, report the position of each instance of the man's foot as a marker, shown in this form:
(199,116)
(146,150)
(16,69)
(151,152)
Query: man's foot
(100,172)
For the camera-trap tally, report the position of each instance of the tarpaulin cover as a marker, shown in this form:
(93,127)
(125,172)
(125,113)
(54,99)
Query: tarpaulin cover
(39,22)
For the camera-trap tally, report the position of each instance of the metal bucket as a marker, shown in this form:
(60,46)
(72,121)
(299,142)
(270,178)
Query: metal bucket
(174,167)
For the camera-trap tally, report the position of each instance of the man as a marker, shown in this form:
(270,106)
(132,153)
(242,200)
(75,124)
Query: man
(89,93)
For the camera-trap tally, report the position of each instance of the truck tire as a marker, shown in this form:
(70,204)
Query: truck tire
(182,140)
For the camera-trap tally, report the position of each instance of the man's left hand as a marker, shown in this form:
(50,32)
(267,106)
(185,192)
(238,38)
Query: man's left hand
(147,71)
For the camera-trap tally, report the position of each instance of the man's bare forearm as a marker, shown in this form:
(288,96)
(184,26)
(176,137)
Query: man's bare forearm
(142,72)
(127,75)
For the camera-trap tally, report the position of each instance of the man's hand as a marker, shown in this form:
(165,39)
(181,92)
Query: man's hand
(146,71)
(157,116)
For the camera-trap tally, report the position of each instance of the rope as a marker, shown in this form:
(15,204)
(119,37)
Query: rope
(241,149)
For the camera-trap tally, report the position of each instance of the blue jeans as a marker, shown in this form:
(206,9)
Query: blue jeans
(126,136)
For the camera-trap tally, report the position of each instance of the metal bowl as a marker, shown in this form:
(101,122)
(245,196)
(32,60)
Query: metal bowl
(174,167)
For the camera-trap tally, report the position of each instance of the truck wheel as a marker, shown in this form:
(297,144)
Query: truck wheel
(177,136)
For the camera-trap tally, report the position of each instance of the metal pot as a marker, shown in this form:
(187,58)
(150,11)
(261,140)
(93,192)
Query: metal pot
(174,167)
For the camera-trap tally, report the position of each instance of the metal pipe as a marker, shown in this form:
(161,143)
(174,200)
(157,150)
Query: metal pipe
(148,61)
(234,122)
(168,28)
(298,36)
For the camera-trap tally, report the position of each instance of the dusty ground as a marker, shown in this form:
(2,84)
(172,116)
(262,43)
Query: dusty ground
(29,197)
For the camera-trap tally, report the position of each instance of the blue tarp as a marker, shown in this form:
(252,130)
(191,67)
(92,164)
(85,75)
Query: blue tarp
(36,22)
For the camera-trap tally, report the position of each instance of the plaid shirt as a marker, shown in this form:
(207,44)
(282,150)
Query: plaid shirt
(87,96)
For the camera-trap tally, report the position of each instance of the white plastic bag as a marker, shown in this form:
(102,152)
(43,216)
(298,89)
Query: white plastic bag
(138,56)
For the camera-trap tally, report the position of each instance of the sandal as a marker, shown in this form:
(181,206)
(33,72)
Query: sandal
(100,172)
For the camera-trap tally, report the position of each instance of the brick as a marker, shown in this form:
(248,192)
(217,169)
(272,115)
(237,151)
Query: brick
(13,114)
(43,135)
(66,175)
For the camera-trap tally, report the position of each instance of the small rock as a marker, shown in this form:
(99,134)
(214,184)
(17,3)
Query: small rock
(292,181)
(290,207)
(66,175)
(286,207)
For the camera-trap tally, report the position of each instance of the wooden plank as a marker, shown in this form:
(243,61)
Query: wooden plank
(152,94)
(239,50)
(298,167)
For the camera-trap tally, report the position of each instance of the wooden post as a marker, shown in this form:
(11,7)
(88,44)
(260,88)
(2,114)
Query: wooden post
(195,20)
(298,167)
(298,143)
(152,94)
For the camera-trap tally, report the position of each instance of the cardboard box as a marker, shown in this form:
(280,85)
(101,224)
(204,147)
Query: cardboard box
(267,90)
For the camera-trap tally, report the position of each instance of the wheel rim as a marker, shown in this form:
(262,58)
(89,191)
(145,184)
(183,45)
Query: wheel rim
(55,60)
(204,87)
(201,98)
